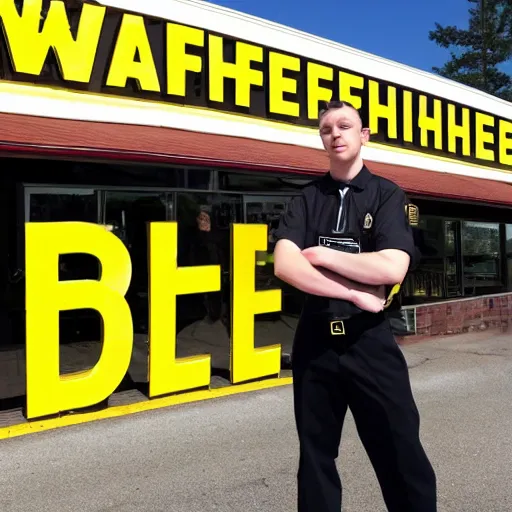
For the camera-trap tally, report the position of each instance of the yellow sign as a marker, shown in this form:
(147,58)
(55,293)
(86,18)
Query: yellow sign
(105,50)
(48,392)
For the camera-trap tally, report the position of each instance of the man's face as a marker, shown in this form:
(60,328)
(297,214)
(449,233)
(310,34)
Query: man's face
(342,134)
(203,222)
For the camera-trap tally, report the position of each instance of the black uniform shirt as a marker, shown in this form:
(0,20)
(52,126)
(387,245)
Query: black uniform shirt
(315,213)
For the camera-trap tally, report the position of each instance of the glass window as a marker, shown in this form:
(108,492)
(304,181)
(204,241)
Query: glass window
(199,179)
(61,204)
(260,182)
(44,204)
(127,214)
(265,210)
(434,239)
(508,249)
(268,210)
(204,237)
(481,256)
(452,262)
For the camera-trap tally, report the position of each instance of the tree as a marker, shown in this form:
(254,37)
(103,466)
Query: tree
(477,52)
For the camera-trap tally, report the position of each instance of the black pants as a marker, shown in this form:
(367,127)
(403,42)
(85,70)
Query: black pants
(366,371)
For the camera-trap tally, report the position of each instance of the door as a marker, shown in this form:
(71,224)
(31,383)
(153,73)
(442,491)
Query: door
(127,215)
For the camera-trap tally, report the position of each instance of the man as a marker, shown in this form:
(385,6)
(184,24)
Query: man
(346,242)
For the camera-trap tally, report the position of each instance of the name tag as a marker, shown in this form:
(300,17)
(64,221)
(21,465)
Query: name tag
(350,245)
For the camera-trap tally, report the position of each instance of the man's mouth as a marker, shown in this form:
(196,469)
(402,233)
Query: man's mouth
(338,149)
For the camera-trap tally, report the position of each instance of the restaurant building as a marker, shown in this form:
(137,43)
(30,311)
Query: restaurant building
(122,113)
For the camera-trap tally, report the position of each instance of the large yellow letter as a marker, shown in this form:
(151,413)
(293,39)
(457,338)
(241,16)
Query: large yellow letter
(378,110)
(47,391)
(279,84)
(28,47)
(166,373)
(240,71)
(434,124)
(347,82)
(178,60)
(505,142)
(407,111)
(132,37)
(458,131)
(315,92)
(248,363)
(483,137)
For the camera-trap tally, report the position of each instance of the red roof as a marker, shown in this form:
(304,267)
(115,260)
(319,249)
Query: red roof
(85,139)
(446,185)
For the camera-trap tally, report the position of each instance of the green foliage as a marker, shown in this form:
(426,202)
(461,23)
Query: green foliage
(477,52)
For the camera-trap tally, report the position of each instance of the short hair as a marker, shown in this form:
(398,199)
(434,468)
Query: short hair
(335,104)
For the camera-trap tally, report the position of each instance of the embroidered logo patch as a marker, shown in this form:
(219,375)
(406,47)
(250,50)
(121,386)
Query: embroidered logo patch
(413,214)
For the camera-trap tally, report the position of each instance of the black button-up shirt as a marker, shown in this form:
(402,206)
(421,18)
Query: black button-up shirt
(316,212)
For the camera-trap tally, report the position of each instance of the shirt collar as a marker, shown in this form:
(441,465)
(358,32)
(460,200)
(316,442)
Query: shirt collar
(359,182)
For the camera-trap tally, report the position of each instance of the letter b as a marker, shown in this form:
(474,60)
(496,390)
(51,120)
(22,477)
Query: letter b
(47,391)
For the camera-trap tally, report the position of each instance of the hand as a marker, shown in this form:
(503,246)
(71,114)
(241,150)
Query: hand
(372,300)
(317,256)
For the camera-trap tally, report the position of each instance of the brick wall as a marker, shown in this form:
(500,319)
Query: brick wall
(464,316)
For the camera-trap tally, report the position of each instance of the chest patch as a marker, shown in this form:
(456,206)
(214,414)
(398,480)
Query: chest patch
(343,244)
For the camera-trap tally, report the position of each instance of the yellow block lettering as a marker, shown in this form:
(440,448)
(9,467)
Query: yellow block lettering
(505,142)
(408,132)
(379,111)
(178,60)
(167,374)
(278,84)
(483,137)
(433,124)
(347,82)
(458,131)
(315,92)
(28,47)
(48,392)
(240,71)
(133,37)
(248,363)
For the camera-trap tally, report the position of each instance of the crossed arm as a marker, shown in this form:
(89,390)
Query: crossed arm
(358,278)
(385,267)
(329,273)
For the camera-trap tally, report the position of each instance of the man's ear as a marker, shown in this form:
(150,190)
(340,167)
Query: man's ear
(365,135)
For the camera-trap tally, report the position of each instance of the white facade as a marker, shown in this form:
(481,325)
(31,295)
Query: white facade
(32,100)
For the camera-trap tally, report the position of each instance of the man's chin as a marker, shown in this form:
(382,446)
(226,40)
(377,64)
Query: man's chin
(344,157)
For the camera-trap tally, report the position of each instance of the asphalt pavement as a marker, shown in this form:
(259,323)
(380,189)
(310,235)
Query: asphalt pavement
(239,453)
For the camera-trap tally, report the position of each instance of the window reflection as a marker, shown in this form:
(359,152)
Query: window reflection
(268,210)
(508,250)
(452,271)
(127,215)
(458,258)
(428,279)
(204,239)
(260,182)
(55,205)
(481,255)
(61,205)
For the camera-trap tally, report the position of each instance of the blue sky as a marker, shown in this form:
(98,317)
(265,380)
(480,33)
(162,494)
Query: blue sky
(394,29)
